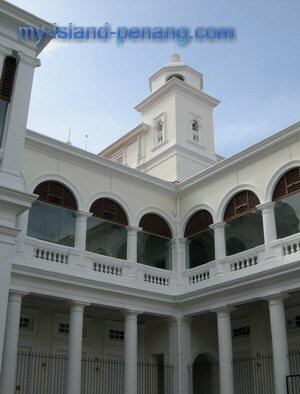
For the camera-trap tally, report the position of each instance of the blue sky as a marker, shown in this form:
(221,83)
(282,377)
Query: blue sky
(93,87)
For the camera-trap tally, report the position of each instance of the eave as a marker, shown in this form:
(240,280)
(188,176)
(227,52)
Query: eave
(177,85)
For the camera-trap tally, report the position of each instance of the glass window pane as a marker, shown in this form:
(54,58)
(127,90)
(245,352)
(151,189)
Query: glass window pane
(51,223)
(244,232)
(287,216)
(201,248)
(106,238)
(154,250)
(3,109)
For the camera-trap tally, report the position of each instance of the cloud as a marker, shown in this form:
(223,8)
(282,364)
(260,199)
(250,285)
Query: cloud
(54,45)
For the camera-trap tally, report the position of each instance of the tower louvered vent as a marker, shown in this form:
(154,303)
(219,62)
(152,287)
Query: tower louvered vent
(7,78)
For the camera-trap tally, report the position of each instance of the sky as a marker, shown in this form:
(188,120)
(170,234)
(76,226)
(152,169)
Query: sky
(93,87)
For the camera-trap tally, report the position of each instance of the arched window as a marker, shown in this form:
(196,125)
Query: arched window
(52,217)
(106,229)
(159,131)
(200,239)
(154,242)
(178,76)
(244,226)
(286,196)
(195,130)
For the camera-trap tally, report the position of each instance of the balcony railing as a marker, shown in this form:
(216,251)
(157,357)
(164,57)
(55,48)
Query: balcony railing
(54,257)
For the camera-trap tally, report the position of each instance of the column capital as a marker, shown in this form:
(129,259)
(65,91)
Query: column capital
(17,295)
(174,320)
(219,226)
(30,61)
(133,229)
(182,240)
(83,215)
(223,311)
(276,299)
(266,207)
(4,51)
(131,313)
(80,305)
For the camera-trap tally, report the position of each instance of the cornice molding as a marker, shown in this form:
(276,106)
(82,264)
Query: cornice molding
(30,61)
(54,148)
(252,153)
(175,85)
(125,140)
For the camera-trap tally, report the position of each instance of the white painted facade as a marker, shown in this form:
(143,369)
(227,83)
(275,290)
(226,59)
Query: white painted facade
(166,167)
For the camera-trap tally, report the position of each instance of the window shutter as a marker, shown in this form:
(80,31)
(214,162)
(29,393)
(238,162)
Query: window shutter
(288,184)
(7,78)
(154,224)
(241,204)
(108,209)
(200,221)
(56,193)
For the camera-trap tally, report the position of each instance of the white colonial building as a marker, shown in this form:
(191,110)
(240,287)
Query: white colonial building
(154,267)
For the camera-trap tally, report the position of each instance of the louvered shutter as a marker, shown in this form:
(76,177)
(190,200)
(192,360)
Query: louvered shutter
(7,78)
(241,204)
(56,193)
(288,184)
(108,209)
(154,224)
(200,221)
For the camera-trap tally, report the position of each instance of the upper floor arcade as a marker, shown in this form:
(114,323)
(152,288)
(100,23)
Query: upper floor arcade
(110,224)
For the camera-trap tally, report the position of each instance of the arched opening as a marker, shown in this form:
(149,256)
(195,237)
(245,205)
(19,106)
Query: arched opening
(286,196)
(154,242)
(200,239)
(106,229)
(244,225)
(178,76)
(205,375)
(52,217)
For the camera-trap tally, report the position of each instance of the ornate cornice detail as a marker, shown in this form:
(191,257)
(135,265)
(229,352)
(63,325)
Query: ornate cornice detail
(33,62)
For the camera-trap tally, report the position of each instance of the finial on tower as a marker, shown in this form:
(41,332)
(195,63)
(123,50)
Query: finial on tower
(175,58)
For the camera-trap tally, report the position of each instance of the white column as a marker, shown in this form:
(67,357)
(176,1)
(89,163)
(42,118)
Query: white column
(75,348)
(130,350)
(141,341)
(15,129)
(269,225)
(225,351)
(174,352)
(4,52)
(180,352)
(220,245)
(80,232)
(21,224)
(10,349)
(279,343)
(132,232)
(185,338)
